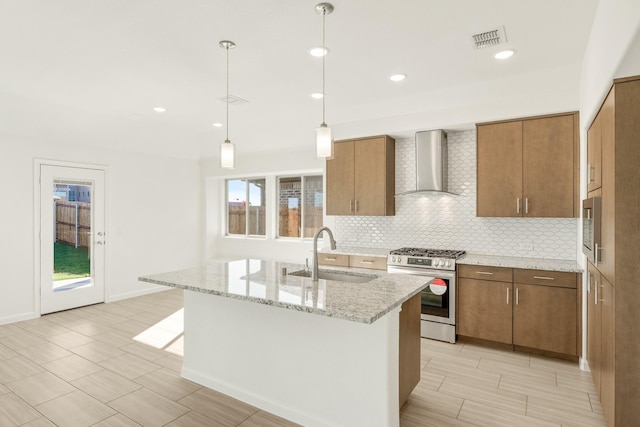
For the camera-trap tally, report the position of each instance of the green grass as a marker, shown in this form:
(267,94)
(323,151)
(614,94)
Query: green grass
(70,262)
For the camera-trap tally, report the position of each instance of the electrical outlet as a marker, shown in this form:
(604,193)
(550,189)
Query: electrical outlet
(526,246)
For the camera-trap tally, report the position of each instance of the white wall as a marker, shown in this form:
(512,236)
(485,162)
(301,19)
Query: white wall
(268,165)
(154,218)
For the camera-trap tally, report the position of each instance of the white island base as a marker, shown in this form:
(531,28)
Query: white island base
(310,369)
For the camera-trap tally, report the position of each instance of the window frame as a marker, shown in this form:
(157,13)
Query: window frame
(246,180)
(302,177)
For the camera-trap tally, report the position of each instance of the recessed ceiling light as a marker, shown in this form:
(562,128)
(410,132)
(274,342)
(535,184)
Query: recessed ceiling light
(217,125)
(159,109)
(319,51)
(317,95)
(504,54)
(398,77)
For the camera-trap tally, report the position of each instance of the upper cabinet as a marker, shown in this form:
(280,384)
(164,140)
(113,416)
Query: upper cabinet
(594,155)
(528,167)
(361,177)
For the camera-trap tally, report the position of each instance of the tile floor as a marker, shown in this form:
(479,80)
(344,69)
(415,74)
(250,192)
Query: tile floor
(118,364)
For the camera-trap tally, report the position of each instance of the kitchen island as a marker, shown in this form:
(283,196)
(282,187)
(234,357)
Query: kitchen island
(319,354)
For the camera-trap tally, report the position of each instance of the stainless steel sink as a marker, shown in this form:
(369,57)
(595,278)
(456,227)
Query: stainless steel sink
(342,276)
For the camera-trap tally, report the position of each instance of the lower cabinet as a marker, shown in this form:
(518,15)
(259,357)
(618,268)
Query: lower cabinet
(601,339)
(484,310)
(544,318)
(527,309)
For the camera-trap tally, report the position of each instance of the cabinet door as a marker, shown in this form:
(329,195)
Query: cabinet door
(548,158)
(499,157)
(340,190)
(484,310)
(594,155)
(606,294)
(545,318)
(606,252)
(370,176)
(409,352)
(594,325)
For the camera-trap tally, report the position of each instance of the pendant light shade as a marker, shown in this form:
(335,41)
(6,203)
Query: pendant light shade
(227,155)
(324,139)
(227,149)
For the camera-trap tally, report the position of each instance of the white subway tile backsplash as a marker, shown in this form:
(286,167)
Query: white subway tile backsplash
(449,222)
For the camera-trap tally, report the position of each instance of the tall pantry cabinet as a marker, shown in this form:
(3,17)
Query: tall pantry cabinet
(613,309)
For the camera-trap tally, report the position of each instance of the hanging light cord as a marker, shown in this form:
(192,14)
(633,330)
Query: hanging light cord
(227,100)
(324,53)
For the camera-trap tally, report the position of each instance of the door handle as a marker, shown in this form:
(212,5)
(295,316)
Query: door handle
(517,204)
(517,294)
(526,205)
(507,296)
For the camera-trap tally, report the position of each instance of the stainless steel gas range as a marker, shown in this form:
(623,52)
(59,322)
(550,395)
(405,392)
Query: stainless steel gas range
(439,298)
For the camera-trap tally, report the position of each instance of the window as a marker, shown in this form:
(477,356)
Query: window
(246,207)
(299,205)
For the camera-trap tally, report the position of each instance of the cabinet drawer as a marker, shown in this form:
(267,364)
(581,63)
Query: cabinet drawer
(482,272)
(374,262)
(547,278)
(333,259)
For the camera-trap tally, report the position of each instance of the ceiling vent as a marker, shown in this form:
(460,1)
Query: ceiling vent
(233,100)
(489,38)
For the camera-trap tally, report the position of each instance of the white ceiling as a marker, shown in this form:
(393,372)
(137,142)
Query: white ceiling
(89,72)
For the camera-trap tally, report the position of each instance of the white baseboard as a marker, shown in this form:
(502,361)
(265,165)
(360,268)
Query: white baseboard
(18,318)
(138,293)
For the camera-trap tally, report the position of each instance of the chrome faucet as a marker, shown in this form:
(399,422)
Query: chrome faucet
(314,275)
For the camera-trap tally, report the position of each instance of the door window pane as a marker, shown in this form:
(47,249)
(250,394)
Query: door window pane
(71,236)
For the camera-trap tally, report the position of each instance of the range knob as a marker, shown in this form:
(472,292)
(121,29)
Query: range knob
(448,264)
(437,263)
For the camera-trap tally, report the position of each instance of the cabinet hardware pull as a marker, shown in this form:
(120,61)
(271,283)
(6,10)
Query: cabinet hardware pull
(517,294)
(350,205)
(484,272)
(526,205)
(589,167)
(596,255)
(544,278)
(517,204)
(330,259)
(595,298)
(364,261)
(356,206)
(507,296)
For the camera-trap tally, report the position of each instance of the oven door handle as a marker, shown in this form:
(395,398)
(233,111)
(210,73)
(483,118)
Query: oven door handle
(444,274)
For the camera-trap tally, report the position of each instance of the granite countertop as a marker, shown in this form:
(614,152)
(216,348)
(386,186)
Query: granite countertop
(518,262)
(354,250)
(262,282)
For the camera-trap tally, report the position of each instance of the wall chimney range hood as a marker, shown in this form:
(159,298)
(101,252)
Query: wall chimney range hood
(431,164)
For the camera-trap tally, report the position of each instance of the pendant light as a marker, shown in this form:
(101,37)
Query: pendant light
(227,149)
(324,141)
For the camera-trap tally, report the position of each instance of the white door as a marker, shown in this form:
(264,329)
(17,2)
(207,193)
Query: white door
(72,224)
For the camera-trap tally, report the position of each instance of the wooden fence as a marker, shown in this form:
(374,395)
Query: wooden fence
(290,222)
(73,223)
(238,218)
